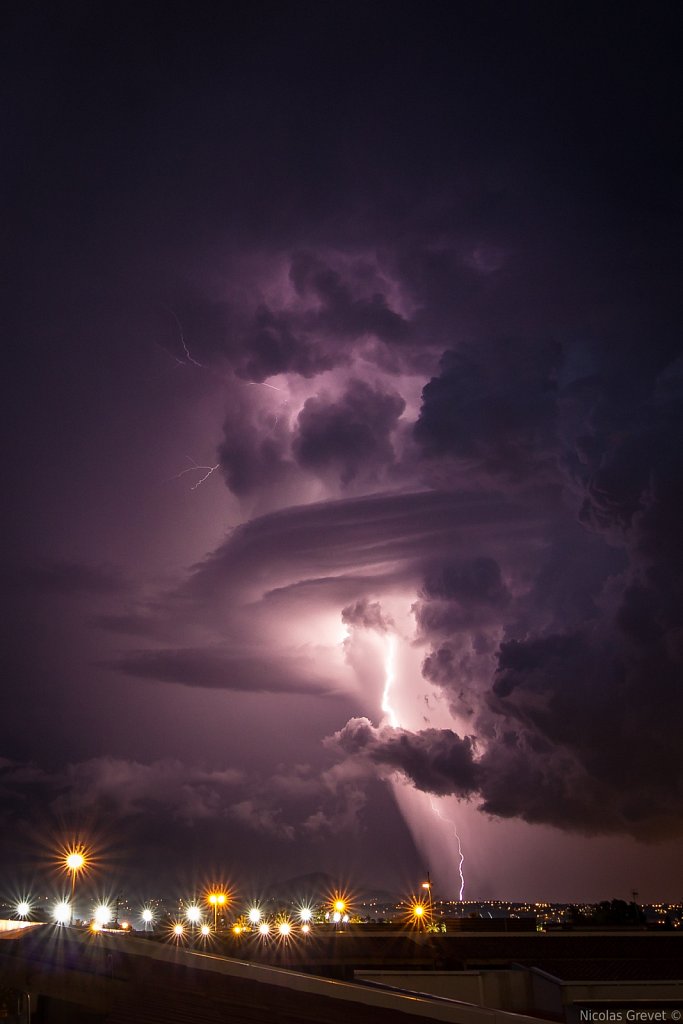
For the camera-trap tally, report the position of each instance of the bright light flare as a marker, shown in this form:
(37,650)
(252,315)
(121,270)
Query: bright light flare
(284,928)
(419,913)
(23,908)
(205,930)
(103,914)
(340,906)
(178,930)
(61,912)
(147,915)
(217,899)
(193,914)
(254,915)
(305,928)
(336,917)
(305,914)
(264,928)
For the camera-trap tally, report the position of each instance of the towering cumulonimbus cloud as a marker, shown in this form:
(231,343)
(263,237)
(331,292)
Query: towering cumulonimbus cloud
(347,385)
(564,676)
(520,501)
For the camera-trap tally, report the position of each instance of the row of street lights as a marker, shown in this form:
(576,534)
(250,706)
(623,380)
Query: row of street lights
(418,911)
(76,858)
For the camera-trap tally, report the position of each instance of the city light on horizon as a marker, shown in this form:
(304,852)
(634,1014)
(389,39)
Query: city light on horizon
(62,912)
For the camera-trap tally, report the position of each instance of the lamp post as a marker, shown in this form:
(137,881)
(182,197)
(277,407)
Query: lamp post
(428,887)
(216,900)
(75,860)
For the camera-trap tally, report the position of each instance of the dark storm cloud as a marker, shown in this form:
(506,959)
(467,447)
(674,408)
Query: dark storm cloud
(462,594)
(168,792)
(576,709)
(273,344)
(436,760)
(340,313)
(367,614)
(308,328)
(349,436)
(248,672)
(477,580)
(124,787)
(333,313)
(254,449)
(494,406)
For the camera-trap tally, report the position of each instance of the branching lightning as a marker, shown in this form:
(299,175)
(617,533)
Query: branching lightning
(189,358)
(195,468)
(461,857)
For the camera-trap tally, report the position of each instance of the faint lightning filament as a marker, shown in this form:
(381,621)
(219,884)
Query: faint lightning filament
(189,358)
(461,857)
(194,468)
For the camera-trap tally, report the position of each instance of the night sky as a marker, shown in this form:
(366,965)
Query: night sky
(343,393)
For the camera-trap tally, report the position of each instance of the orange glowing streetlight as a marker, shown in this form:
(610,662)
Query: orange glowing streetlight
(216,900)
(75,860)
(419,913)
(339,908)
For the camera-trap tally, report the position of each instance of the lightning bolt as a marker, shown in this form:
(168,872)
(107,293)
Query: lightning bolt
(194,468)
(262,384)
(188,355)
(461,856)
(389,681)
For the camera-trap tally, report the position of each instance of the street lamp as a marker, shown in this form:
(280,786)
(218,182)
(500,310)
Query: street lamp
(75,861)
(339,907)
(428,887)
(216,900)
(193,914)
(103,914)
(419,913)
(23,909)
(61,912)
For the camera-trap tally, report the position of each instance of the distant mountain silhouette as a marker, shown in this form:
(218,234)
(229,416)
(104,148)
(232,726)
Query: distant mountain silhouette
(318,885)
